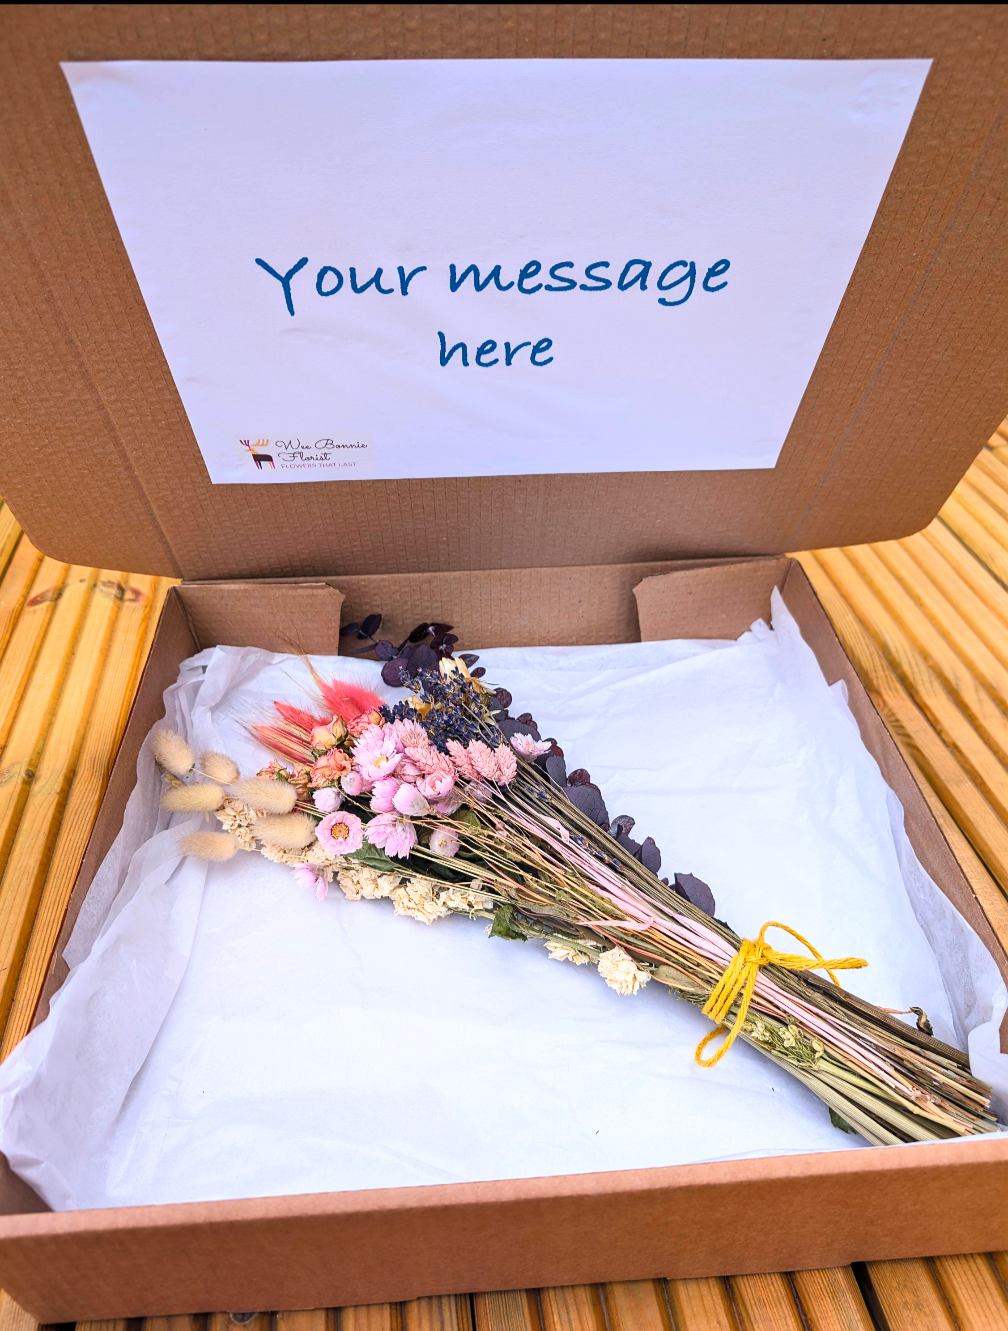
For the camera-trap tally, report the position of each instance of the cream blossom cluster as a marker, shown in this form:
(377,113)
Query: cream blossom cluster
(621,972)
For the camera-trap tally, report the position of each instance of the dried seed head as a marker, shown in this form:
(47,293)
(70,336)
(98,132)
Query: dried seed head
(219,767)
(291,831)
(263,793)
(208,845)
(172,752)
(203,797)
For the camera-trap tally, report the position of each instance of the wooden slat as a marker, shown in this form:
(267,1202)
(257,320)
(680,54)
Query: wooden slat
(13,1317)
(831,1300)
(24,875)
(27,736)
(976,485)
(185,1322)
(701,1305)
(447,1312)
(636,1305)
(1000,1261)
(239,1322)
(572,1308)
(991,628)
(983,767)
(765,1303)
(961,515)
(973,1291)
(28,634)
(911,730)
(507,1310)
(14,587)
(122,669)
(905,633)
(910,1296)
(371,1317)
(947,620)
(10,533)
(969,566)
(993,470)
(118,1325)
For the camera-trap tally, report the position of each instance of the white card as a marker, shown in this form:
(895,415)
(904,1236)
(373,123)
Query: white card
(660,245)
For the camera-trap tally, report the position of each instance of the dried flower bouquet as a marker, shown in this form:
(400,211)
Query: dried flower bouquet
(445,803)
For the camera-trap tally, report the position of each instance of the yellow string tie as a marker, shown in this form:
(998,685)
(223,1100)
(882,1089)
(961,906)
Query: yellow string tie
(740,976)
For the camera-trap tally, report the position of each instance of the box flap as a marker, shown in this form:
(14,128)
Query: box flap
(101,466)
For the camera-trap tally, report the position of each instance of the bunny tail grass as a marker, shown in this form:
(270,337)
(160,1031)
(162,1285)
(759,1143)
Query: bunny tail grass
(263,793)
(208,845)
(291,831)
(201,798)
(172,752)
(219,767)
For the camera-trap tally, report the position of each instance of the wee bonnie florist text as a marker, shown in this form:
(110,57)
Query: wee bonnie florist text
(673,286)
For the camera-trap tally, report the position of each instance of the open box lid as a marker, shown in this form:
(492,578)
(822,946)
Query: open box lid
(101,466)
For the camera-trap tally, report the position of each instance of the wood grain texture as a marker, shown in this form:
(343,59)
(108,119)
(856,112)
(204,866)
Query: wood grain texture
(572,1308)
(968,565)
(120,675)
(942,573)
(831,1300)
(910,1296)
(13,1317)
(371,1317)
(10,534)
(14,587)
(184,1322)
(973,1292)
(960,516)
(314,1319)
(765,1303)
(32,621)
(446,1312)
(508,1310)
(24,876)
(701,1305)
(636,1305)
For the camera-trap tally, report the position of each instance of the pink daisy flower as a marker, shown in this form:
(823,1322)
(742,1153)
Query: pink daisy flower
(341,833)
(393,833)
(305,876)
(383,794)
(376,753)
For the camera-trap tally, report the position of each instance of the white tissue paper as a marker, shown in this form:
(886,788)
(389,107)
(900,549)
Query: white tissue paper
(222,1034)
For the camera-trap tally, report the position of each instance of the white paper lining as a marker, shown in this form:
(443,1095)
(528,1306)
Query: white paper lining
(222,1034)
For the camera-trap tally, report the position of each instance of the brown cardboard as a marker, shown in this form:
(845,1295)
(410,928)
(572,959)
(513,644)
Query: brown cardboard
(790,1213)
(909,385)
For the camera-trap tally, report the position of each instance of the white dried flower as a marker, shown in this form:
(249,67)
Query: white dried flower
(237,818)
(219,767)
(262,793)
(277,855)
(464,900)
(621,972)
(208,845)
(561,952)
(416,899)
(204,797)
(172,752)
(289,831)
(359,881)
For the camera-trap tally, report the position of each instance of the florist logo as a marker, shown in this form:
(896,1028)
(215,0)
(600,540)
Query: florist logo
(258,453)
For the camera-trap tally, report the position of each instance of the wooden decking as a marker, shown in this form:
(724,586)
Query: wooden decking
(925,621)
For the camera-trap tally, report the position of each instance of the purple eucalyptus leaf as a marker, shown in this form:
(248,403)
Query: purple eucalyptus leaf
(693,889)
(556,770)
(421,658)
(504,698)
(650,855)
(419,633)
(468,658)
(370,626)
(392,673)
(509,726)
(622,823)
(440,628)
(384,651)
(580,777)
(478,673)
(590,802)
(347,629)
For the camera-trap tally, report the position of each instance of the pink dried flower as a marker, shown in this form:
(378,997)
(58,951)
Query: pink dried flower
(352,783)
(409,801)
(407,770)
(447,806)
(462,761)
(322,738)
(529,747)
(444,842)
(483,759)
(411,733)
(328,799)
(329,768)
(341,833)
(506,764)
(435,785)
(392,833)
(305,876)
(383,793)
(376,753)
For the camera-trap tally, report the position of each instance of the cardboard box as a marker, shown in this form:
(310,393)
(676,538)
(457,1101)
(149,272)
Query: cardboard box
(908,387)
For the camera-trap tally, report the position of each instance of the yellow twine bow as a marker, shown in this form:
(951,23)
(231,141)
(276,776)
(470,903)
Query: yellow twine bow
(740,974)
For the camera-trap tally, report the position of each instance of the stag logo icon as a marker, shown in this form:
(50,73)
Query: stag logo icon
(257,455)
